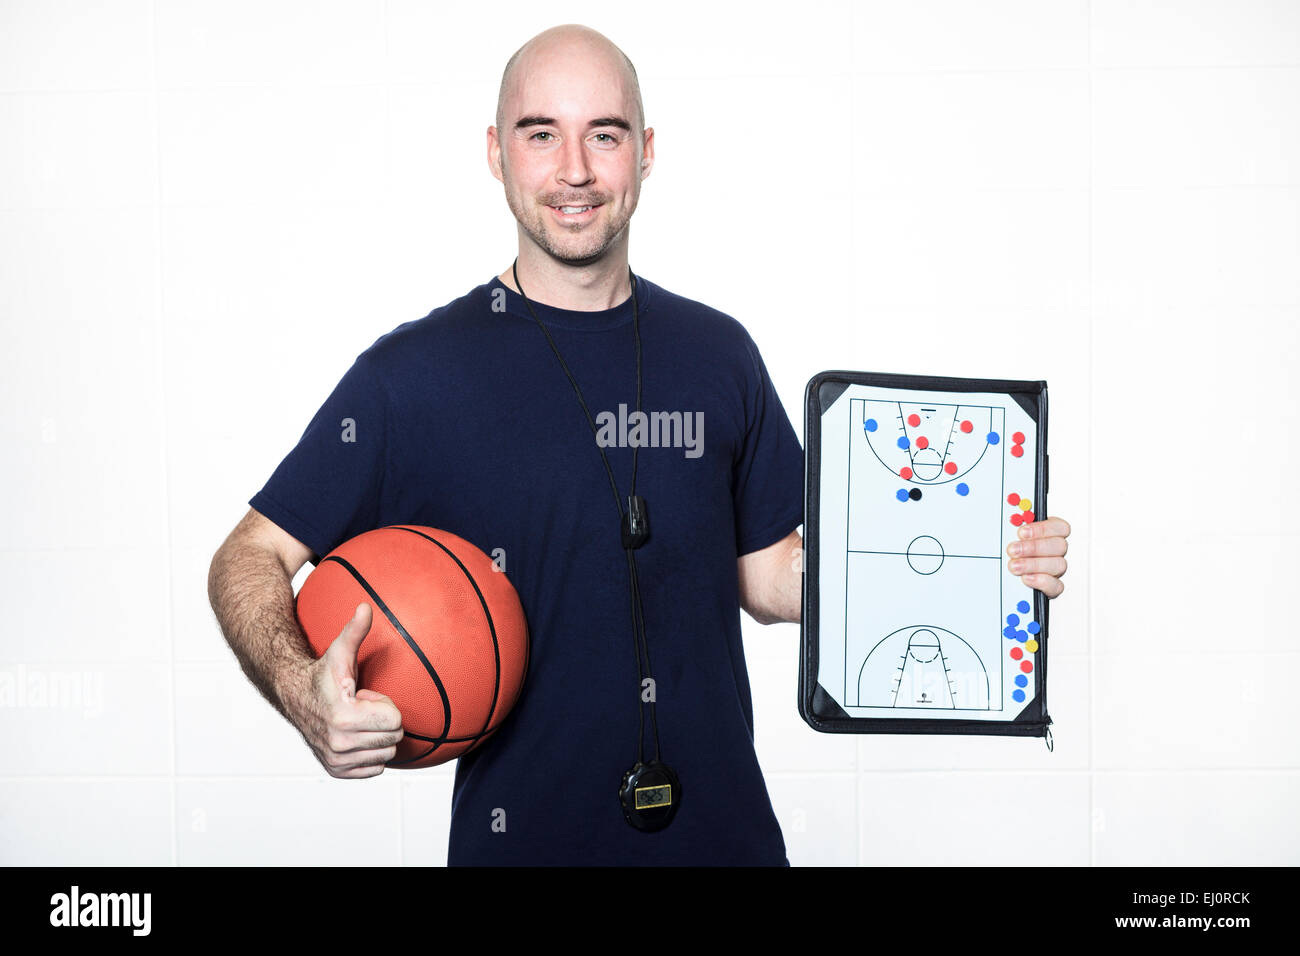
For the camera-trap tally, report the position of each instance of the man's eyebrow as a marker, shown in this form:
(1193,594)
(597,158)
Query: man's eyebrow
(616,121)
(537,120)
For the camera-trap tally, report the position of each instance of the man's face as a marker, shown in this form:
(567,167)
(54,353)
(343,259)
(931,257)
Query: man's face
(569,153)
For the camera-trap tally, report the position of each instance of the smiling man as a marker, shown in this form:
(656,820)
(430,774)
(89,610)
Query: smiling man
(632,560)
(572,176)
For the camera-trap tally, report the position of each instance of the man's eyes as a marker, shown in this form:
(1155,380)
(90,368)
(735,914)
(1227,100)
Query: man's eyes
(609,137)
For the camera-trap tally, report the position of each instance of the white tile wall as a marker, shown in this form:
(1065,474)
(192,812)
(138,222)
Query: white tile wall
(96,716)
(224,726)
(1156,34)
(426,814)
(78,150)
(1201,710)
(948,35)
(1196,819)
(207,210)
(974,819)
(783,741)
(1196,127)
(1189,248)
(1018,130)
(68,44)
(818,817)
(267,145)
(275,821)
(306,43)
(949,248)
(1251,604)
(88,821)
(113,599)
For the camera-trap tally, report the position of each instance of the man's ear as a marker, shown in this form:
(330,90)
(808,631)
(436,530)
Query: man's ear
(648,152)
(494,154)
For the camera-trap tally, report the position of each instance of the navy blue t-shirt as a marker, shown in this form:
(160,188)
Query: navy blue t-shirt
(464,421)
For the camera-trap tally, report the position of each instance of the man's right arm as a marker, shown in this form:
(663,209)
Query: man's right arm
(352,731)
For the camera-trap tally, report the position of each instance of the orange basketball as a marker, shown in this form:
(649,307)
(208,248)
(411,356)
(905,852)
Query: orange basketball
(448,641)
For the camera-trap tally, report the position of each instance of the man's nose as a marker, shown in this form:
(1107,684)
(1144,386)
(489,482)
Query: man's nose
(574,169)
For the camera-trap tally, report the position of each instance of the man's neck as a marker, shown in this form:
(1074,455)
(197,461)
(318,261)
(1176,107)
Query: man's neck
(590,288)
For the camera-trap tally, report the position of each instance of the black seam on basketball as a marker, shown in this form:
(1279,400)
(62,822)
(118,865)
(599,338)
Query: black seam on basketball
(458,740)
(445,740)
(402,763)
(410,642)
(496,649)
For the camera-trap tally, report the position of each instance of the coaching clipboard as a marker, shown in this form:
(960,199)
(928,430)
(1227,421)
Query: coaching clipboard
(912,623)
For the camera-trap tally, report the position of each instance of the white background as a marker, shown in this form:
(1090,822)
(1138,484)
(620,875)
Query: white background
(208,209)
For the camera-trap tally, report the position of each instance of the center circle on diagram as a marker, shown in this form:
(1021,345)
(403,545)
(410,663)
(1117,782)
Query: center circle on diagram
(925,554)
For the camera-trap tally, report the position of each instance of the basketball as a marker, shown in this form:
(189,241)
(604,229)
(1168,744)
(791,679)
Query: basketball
(448,641)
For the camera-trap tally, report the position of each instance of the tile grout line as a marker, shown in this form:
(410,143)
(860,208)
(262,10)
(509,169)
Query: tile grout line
(388,159)
(493,78)
(160,368)
(1092,386)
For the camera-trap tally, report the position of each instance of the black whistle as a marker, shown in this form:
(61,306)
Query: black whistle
(636,523)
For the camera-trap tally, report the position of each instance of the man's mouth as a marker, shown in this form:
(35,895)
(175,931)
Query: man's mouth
(575,213)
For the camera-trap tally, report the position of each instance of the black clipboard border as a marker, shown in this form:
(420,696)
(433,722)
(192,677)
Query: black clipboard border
(1034,720)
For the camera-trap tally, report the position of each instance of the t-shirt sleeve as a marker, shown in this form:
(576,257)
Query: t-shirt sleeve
(767,474)
(328,488)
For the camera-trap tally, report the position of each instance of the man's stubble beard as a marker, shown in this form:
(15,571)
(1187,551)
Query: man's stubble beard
(589,249)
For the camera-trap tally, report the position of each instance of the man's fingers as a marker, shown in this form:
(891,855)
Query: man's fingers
(363,763)
(1047,528)
(360,772)
(1038,557)
(1038,547)
(363,726)
(374,714)
(1054,566)
(361,741)
(365,716)
(1050,585)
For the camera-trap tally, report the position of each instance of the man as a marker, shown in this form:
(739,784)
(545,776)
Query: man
(479,419)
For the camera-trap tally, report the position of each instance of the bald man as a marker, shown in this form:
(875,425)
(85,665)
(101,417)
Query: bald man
(503,417)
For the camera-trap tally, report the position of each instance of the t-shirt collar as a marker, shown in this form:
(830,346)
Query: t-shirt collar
(569,318)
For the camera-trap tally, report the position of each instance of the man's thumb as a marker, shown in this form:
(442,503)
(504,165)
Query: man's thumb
(343,651)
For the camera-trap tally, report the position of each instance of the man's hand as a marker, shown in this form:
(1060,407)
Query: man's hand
(352,732)
(1039,556)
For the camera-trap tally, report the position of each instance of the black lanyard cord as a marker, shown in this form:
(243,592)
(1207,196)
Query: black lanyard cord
(577,391)
(640,645)
(645,647)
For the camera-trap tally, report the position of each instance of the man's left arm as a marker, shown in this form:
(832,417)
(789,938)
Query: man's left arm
(771,579)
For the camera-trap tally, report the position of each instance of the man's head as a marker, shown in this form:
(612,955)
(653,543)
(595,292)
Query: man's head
(570,134)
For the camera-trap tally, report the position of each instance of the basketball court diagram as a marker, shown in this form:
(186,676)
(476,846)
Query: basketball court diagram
(920,494)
